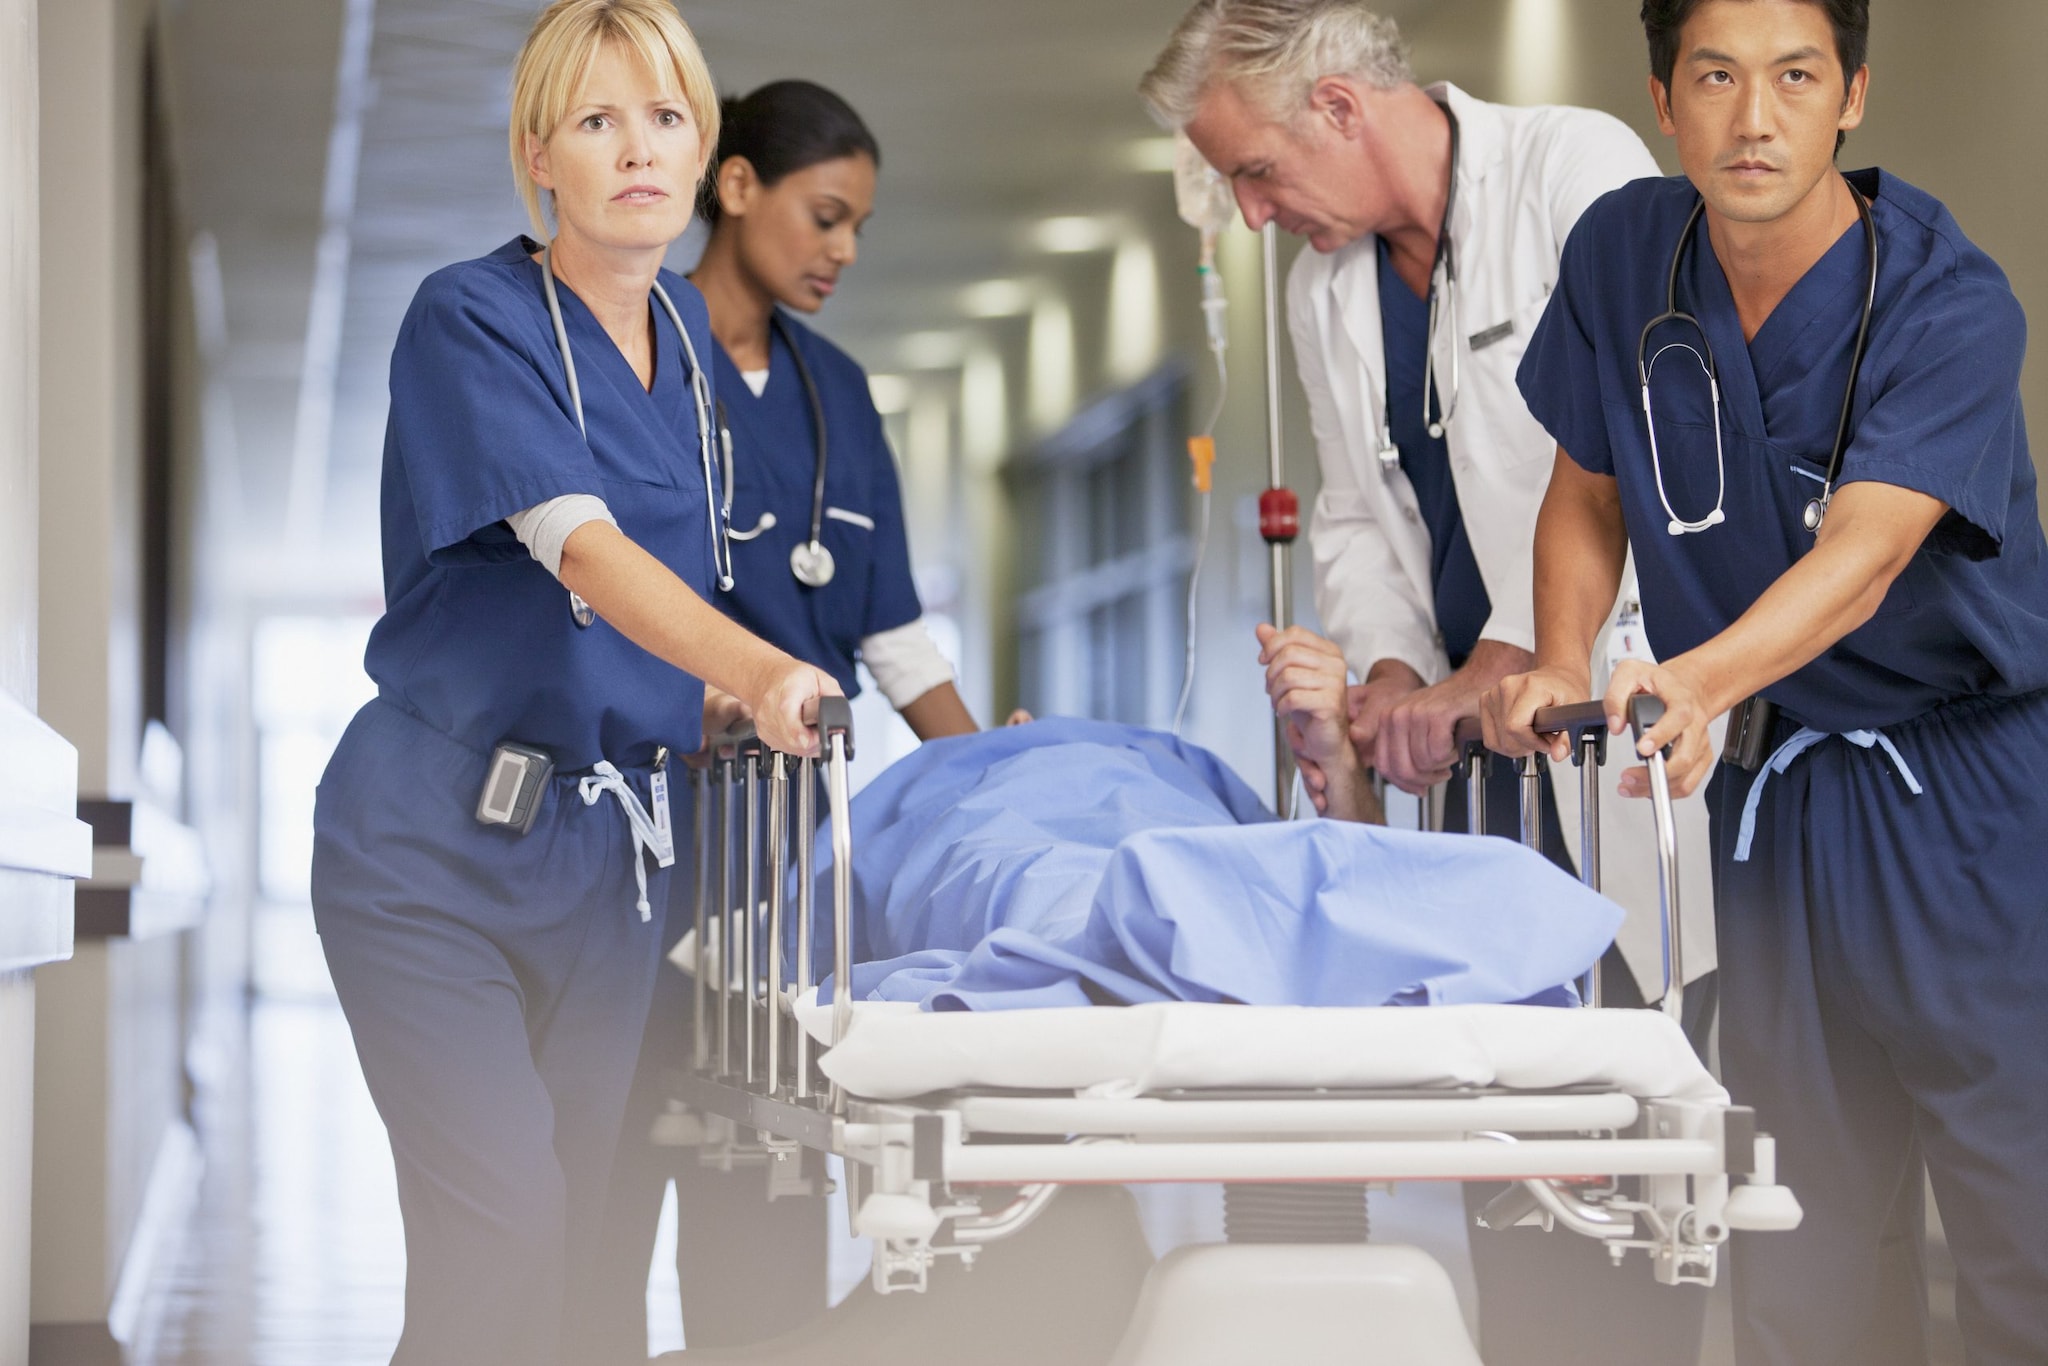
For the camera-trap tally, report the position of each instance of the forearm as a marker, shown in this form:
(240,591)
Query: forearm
(1490,662)
(1871,534)
(938,713)
(645,602)
(1348,791)
(1581,550)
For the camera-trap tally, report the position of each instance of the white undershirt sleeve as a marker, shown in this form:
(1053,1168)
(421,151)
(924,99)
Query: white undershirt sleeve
(906,663)
(544,528)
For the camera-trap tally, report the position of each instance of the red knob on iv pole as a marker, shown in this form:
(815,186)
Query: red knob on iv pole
(1279,516)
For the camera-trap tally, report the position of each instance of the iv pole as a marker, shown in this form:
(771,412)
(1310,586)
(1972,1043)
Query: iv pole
(1279,511)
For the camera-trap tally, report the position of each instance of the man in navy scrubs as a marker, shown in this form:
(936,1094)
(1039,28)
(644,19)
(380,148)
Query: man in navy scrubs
(1884,937)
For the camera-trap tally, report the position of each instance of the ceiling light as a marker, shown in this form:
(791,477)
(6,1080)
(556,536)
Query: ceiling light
(1074,233)
(890,393)
(1153,154)
(931,350)
(996,299)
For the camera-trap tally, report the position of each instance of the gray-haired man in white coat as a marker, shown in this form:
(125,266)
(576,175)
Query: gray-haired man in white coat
(1436,222)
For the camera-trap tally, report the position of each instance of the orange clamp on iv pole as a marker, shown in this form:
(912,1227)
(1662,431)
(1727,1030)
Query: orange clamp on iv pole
(1202,453)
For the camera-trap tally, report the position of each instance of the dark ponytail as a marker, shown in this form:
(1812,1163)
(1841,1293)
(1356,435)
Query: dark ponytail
(782,128)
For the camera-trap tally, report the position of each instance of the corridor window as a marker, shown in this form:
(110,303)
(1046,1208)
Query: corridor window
(1105,557)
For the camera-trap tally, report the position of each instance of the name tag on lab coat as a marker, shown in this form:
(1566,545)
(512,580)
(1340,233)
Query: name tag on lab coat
(1498,332)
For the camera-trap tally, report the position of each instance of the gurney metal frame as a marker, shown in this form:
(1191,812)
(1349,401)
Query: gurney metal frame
(943,1175)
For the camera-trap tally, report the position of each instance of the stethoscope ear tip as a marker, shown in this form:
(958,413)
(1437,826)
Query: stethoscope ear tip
(1711,520)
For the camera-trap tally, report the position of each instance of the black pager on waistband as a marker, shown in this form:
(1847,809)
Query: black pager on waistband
(1749,733)
(513,785)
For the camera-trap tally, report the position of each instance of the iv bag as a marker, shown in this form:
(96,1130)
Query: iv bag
(1201,196)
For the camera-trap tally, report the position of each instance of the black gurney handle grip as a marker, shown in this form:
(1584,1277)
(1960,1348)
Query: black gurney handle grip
(1578,719)
(739,736)
(1468,741)
(1644,711)
(1573,719)
(1582,721)
(742,737)
(831,716)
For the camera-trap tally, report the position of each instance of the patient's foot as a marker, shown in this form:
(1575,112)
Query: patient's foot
(1061,1292)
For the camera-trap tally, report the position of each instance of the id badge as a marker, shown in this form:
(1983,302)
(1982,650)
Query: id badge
(1627,640)
(665,849)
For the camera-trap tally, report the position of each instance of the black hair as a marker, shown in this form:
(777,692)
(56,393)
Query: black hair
(782,128)
(1662,20)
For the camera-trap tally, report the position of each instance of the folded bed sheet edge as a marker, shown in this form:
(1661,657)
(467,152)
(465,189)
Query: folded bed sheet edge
(893,1050)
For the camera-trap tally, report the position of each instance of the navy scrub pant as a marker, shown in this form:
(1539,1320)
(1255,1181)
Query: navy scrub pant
(1548,1299)
(1885,961)
(748,1268)
(497,987)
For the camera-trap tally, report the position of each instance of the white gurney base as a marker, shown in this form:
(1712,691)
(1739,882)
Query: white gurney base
(1359,1305)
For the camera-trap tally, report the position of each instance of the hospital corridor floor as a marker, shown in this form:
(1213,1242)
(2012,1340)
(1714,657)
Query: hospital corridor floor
(291,1251)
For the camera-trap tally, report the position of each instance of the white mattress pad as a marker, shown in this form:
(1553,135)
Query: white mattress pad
(893,1051)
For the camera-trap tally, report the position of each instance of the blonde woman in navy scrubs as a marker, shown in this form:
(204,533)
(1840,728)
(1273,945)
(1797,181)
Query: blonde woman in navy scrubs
(495,950)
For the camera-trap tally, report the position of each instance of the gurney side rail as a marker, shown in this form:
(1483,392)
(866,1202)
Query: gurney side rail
(1586,724)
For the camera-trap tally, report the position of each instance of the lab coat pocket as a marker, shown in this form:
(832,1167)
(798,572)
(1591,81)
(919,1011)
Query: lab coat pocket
(1338,507)
(1493,350)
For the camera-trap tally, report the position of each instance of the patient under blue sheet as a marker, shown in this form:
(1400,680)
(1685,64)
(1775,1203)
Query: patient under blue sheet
(1067,863)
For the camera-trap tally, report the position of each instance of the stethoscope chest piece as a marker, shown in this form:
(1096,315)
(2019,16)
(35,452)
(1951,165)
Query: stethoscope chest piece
(812,564)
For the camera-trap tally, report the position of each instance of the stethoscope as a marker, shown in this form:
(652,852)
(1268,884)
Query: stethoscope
(1444,300)
(810,560)
(1817,507)
(700,391)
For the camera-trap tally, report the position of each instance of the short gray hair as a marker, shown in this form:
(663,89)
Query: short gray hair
(1274,51)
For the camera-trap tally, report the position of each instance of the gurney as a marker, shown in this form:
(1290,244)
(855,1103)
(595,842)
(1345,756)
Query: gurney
(958,1129)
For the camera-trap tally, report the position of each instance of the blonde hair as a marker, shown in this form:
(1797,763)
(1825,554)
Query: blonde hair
(1274,51)
(556,59)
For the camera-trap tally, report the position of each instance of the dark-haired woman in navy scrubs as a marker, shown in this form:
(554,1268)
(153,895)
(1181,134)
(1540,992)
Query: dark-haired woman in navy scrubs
(793,182)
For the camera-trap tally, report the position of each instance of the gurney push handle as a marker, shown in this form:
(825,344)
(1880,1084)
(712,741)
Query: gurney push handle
(1586,724)
(744,862)
(830,716)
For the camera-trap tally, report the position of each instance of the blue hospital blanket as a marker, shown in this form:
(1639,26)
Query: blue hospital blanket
(1068,863)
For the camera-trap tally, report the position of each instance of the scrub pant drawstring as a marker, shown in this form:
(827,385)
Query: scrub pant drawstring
(647,836)
(1803,739)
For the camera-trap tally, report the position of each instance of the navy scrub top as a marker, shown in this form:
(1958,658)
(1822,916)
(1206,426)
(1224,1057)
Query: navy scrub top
(1937,410)
(774,460)
(476,638)
(1461,602)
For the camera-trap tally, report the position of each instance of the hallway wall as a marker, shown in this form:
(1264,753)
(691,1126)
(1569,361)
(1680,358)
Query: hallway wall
(18,232)
(112,1022)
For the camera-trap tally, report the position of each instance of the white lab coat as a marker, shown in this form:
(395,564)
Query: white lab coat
(1523,178)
